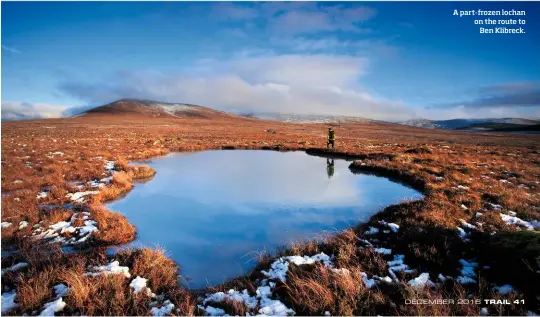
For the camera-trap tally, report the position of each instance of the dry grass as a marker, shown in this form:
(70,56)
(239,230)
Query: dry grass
(57,215)
(141,172)
(102,295)
(121,183)
(154,265)
(34,290)
(319,290)
(113,227)
(121,164)
(433,161)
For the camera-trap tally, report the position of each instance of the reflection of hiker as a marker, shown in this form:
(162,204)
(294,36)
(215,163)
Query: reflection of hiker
(331,138)
(330,167)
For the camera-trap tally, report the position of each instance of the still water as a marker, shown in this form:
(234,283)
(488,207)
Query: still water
(211,210)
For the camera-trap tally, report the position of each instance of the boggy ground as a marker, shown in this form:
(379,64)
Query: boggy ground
(475,230)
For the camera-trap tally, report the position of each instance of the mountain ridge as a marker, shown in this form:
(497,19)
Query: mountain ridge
(152,108)
(468,124)
(306,118)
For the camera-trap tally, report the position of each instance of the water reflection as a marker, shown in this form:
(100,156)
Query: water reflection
(330,167)
(211,209)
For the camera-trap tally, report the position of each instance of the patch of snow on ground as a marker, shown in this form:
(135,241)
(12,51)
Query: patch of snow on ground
(242,297)
(421,281)
(512,220)
(279,268)
(467,225)
(23,224)
(61,225)
(372,230)
(52,307)
(340,271)
(139,284)
(383,250)
(467,272)
(262,302)
(385,279)
(8,301)
(212,311)
(14,267)
(79,197)
(367,281)
(5,224)
(109,166)
(441,277)
(397,265)
(271,307)
(494,206)
(462,233)
(100,183)
(505,289)
(41,195)
(82,232)
(111,268)
(394,227)
(164,310)
(364,241)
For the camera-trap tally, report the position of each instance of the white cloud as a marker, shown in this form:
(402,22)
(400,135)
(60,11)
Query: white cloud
(322,18)
(15,110)
(301,22)
(298,70)
(461,111)
(303,84)
(296,17)
(365,47)
(232,11)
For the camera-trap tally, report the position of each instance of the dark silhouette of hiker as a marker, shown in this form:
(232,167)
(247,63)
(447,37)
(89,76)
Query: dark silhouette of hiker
(330,167)
(331,138)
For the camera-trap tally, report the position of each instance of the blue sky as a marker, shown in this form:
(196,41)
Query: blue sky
(381,60)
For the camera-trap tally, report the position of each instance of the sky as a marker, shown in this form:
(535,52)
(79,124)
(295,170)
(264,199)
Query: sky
(380,60)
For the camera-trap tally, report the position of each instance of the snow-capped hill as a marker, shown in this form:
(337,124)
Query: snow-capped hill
(149,108)
(421,123)
(307,118)
(173,108)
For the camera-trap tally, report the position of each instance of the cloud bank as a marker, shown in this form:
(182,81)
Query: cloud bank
(516,99)
(13,110)
(288,57)
(303,84)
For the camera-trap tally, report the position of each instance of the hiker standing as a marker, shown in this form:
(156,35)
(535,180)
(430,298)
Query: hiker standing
(331,138)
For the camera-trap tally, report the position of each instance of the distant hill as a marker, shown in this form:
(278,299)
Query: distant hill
(470,124)
(306,118)
(522,128)
(150,108)
(422,123)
